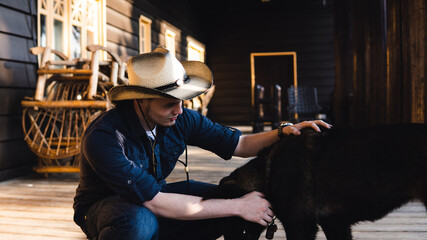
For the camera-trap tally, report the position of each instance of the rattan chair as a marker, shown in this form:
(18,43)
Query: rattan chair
(303,103)
(69,94)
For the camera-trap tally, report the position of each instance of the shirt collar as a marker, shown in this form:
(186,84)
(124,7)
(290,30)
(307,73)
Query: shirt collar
(133,126)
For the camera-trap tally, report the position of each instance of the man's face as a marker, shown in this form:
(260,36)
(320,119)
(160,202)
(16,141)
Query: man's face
(161,111)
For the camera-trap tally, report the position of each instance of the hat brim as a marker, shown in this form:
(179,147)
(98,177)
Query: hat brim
(200,80)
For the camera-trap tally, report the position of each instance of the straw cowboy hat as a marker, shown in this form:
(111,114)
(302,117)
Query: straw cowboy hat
(159,74)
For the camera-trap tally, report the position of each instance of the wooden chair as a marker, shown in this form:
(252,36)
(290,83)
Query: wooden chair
(69,94)
(261,103)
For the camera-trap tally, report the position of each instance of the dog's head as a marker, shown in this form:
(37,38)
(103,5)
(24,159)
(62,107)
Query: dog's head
(235,228)
(249,177)
(228,188)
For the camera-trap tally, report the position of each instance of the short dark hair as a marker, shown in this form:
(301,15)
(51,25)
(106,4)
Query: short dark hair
(123,104)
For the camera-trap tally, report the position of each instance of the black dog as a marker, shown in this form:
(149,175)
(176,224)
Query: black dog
(334,178)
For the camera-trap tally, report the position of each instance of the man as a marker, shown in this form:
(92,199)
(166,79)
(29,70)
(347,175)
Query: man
(128,152)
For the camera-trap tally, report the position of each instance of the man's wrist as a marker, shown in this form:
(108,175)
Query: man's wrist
(280,132)
(235,206)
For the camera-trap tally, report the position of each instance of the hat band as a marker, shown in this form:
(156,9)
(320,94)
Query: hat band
(177,83)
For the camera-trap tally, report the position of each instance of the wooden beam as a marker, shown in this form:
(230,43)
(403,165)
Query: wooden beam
(53,169)
(64,71)
(65,104)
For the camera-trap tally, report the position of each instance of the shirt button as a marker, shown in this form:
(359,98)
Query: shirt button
(129,181)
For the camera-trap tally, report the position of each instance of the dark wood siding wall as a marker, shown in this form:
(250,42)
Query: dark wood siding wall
(17,80)
(239,29)
(123,24)
(381,61)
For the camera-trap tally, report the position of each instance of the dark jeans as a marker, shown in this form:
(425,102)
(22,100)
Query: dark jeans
(114,218)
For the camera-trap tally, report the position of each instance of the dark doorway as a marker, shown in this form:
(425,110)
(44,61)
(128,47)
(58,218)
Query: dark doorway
(269,69)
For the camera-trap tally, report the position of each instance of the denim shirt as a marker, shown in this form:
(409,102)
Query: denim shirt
(117,155)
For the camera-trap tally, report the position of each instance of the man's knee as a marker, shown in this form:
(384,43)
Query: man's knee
(145,224)
(138,223)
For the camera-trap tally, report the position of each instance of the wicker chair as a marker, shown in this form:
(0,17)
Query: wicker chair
(69,94)
(303,103)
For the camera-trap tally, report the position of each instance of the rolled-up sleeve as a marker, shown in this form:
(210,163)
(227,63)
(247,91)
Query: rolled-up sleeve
(105,153)
(212,136)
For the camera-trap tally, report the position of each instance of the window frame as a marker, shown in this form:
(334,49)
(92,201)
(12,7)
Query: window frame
(50,17)
(198,46)
(170,41)
(144,26)
(99,30)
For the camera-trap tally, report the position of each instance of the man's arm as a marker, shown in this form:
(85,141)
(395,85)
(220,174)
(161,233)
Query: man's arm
(251,207)
(250,145)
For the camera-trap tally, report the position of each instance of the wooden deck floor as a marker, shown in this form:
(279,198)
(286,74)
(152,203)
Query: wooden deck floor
(41,208)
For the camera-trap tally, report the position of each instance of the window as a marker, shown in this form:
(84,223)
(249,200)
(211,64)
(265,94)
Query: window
(52,17)
(170,41)
(196,50)
(144,34)
(170,37)
(70,25)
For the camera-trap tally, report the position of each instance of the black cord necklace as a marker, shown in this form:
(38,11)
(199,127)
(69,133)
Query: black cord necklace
(154,156)
(186,168)
(153,144)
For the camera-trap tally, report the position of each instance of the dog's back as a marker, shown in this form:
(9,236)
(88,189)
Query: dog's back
(365,173)
(335,178)
(352,174)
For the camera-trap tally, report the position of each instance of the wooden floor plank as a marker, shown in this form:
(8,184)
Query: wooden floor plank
(35,215)
(39,208)
(30,236)
(20,207)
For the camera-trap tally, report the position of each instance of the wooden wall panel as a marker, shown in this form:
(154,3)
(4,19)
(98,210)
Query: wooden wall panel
(120,37)
(16,48)
(414,36)
(14,22)
(382,60)
(20,5)
(394,104)
(11,98)
(123,51)
(16,171)
(123,24)
(17,80)
(126,8)
(16,74)
(121,21)
(16,159)
(10,128)
(368,44)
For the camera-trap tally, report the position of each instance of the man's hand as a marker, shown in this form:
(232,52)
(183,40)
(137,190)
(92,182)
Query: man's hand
(295,129)
(255,208)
